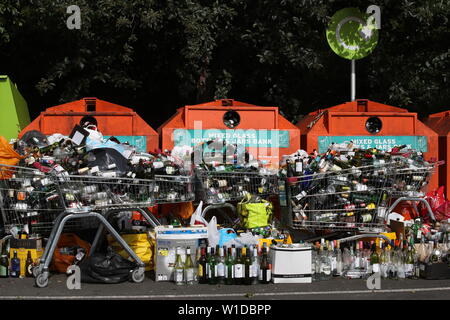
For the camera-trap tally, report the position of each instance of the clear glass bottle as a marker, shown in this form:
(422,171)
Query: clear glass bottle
(333,258)
(325,263)
(339,260)
(384,261)
(220,258)
(239,268)
(254,266)
(189,269)
(178,268)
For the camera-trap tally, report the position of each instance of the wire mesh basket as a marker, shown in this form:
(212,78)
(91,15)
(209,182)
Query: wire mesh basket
(30,197)
(410,181)
(350,199)
(173,189)
(214,187)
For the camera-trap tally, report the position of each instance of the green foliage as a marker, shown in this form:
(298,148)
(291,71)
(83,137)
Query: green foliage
(164,54)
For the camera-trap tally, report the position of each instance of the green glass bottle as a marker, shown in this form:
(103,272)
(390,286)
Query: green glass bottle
(4,262)
(247,266)
(212,268)
(229,267)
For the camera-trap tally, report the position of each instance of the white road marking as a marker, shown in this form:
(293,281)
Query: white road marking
(221,295)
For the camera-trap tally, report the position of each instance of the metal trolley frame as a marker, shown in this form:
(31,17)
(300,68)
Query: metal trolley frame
(58,200)
(218,188)
(326,195)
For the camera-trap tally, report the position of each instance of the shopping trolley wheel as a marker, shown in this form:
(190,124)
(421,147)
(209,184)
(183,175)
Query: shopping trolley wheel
(36,271)
(138,275)
(41,280)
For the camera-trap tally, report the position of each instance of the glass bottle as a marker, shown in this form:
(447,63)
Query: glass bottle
(4,263)
(374,260)
(436,254)
(313,263)
(178,268)
(229,267)
(189,270)
(339,260)
(409,264)
(255,266)
(239,272)
(29,265)
(247,265)
(384,260)
(202,266)
(220,258)
(15,266)
(332,257)
(325,264)
(265,270)
(212,267)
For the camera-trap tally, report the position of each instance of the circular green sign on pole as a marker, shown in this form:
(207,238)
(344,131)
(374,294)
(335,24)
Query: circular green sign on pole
(351,34)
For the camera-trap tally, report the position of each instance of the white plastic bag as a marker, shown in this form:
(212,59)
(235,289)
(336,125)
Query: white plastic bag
(197,216)
(213,233)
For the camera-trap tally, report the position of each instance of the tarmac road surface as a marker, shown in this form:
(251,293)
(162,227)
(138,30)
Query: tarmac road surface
(334,289)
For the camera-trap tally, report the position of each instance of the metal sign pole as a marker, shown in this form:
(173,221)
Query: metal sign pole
(353,81)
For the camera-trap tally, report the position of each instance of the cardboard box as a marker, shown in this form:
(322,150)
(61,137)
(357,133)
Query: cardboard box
(22,246)
(168,239)
(291,264)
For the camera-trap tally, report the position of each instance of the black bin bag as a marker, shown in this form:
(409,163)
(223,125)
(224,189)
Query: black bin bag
(106,268)
(103,157)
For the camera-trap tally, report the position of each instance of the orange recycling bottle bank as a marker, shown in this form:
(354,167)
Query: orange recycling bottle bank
(112,120)
(368,124)
(440,122)
(261,130)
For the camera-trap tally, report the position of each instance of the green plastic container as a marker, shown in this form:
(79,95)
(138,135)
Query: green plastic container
(14,115)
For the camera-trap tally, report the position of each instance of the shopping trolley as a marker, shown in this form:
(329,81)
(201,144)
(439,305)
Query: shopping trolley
(346,201)
(31,198)
(410,183)
(162,189)
(218,188)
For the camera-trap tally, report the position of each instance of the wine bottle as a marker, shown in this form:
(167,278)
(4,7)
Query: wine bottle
(202,268)
(239,268)
(212,267)
(178,268)
(265,272)
(220,259)
(29,265)
(229,267)
(4,262)
(189,274)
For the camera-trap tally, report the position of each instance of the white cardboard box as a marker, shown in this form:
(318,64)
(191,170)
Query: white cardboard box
(168,239)
(291,264)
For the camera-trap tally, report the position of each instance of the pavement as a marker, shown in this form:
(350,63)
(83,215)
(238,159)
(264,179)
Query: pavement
(334,289)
